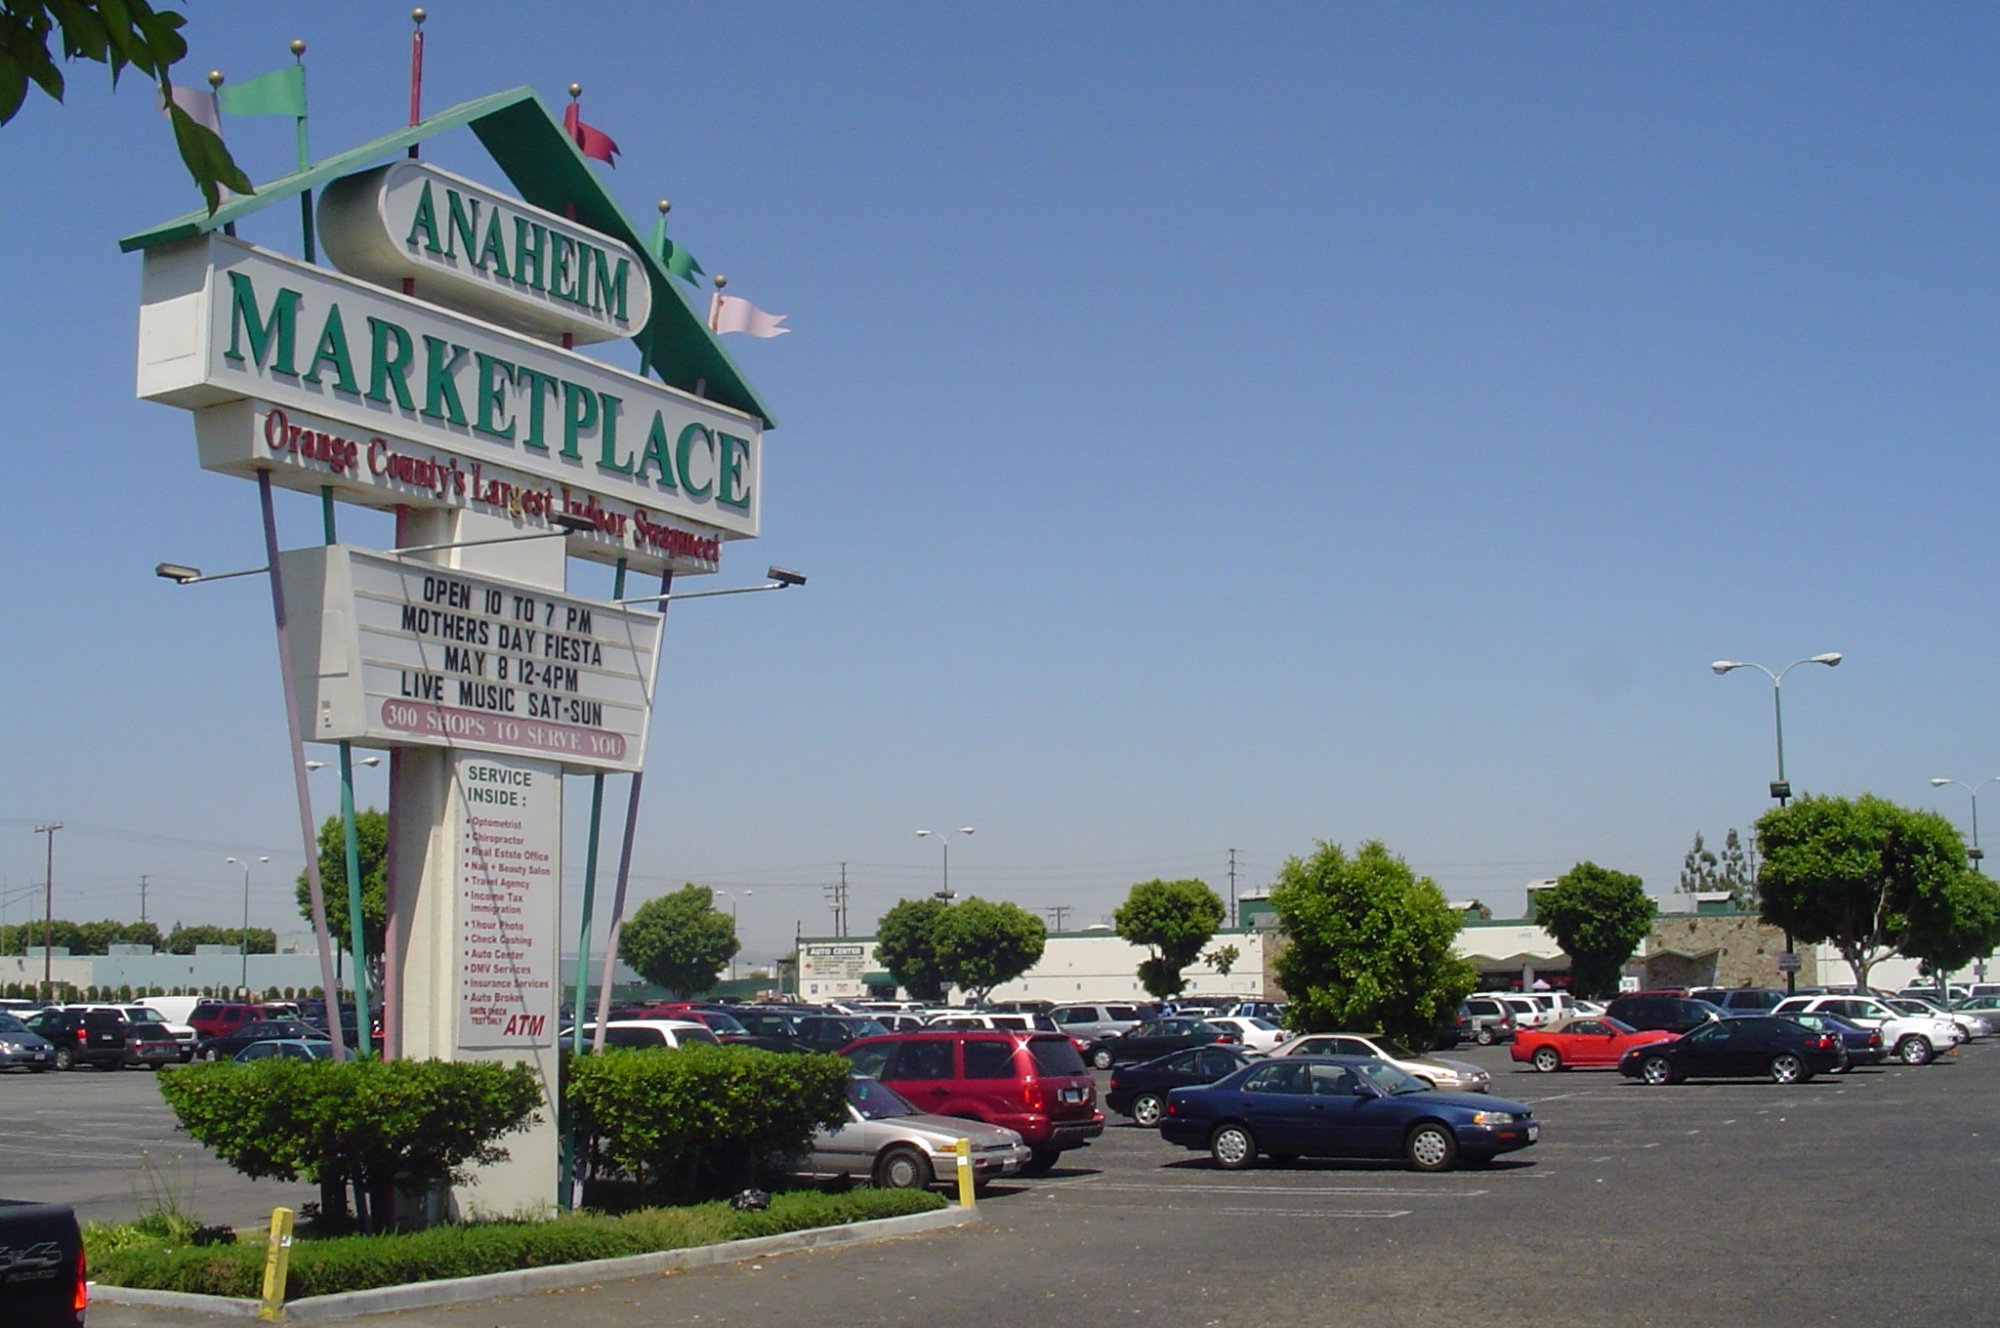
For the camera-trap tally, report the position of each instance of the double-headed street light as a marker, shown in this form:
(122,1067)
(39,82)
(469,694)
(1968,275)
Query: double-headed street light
(243,937)
(733,901)
(1975,852)
(1780,790)
(943,838)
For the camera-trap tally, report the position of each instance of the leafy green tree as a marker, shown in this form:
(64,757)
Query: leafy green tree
(1224,958)
(371,842)
(182,939)
(1739,872)
(1872,878)
(1966,928)
(1370,945)
(1174,919)
(680,941)
(118,34)
(982,944)
(1598,916)
(906,943)
(1699,868)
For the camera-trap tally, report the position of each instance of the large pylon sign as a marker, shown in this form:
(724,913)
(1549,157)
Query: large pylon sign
(432,370)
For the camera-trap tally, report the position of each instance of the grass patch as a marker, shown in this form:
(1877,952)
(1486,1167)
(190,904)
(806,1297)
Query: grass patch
(120,1256)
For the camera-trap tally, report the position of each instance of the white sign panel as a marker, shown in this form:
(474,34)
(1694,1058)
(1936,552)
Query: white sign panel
(223,321)
(509,888)
(473,249)
(395,651)
(834,963)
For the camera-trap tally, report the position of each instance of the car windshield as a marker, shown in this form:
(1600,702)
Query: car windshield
(143,1014)
(1618,1026)
(9,1024)
(1390,1079)
(876,1101)
(1396,1049)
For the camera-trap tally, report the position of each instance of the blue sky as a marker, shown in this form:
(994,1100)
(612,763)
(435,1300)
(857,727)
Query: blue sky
(1205,427)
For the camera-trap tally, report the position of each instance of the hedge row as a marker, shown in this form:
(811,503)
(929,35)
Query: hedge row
(357,1263)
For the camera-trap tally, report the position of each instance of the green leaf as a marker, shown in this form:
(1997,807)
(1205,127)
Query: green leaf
(13,90)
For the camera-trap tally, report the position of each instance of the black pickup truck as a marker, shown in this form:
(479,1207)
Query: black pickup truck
(41,1265)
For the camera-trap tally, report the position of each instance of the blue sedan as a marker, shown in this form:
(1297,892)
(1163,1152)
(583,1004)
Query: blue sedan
(1341,1106)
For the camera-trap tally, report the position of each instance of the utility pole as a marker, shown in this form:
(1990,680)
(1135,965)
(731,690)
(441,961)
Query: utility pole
(1232,887)
(843,899)
(1056,912)
(49,908)
(142,897)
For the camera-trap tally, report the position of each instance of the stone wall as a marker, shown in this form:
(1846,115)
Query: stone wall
(1717,950)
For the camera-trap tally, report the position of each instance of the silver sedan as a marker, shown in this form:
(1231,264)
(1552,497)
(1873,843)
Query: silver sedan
(889,1143)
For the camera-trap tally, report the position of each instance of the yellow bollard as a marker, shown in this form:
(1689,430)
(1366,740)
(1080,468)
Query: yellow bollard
(277,1258)
(965,1173)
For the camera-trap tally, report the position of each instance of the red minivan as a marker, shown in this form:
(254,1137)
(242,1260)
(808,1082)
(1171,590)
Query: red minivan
(1032,1083)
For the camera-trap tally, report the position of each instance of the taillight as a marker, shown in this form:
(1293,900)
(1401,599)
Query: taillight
(82,1287)
(1227,1038)
(1032,1096)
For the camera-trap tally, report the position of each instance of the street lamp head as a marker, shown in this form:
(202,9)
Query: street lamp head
(315,765)
(923,834)
(1830,658)
(177,573)
(785,576)
(1725,665)
(574,524)
(965,829)
(1939,783)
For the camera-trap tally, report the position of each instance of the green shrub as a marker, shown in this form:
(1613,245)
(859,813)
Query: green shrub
(356,1263)
(399,1124)
(701,1120)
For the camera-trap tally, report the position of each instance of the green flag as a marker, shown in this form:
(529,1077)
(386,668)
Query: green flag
(280,92)
(676,259)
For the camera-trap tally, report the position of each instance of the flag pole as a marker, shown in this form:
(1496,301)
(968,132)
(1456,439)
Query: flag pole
(715,303)
(298,49)
(416,72)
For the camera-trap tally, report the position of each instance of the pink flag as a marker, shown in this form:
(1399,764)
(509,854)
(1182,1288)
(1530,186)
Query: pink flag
(594,141)
(729,314)
(199,105)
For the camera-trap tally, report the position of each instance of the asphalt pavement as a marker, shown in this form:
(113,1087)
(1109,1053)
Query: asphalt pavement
(1859,1199)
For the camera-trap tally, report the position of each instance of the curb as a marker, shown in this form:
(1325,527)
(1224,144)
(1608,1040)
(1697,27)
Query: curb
(425,1295)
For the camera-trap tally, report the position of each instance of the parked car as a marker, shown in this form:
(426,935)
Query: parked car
(1271,1010)
(215,1018)
(1489,1019)
(643,1033)
(890,1144)
(104,1038)
(156,1023)
(1140,1090)
(1739,1000)
(1600,1041)
(1972,1025)
(1320,1106)
(1864,1045)
(1033,1083)
(285,1049)
(22,1048)
(43,1282)
(1911,1039)
(1252,1034)
(1173,1033)
(1526,1010)
(226,1046)
(1432,1071)
(1751,1046)
(831,1032)
(1661,1009)
(1949,994)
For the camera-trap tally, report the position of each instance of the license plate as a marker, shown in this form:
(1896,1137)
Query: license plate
(1534,1133)
(1072,1095)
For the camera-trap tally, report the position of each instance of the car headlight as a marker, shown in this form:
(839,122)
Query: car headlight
(1492,1118)
(10,1047)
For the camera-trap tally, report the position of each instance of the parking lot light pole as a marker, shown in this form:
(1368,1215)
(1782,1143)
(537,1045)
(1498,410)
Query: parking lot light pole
(1975,853)
(1780,790)
(747,894)
(943,838)
(243,937)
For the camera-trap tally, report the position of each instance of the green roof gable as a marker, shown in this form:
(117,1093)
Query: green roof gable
(545,166)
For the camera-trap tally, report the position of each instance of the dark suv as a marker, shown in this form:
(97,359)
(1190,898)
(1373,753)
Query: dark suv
(104,1038)
(1651,1009)
(1032,1083)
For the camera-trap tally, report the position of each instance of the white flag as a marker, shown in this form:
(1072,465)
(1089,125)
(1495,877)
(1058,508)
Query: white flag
(728,314)
(199,105)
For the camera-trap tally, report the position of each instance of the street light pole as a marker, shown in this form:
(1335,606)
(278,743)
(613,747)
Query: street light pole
(1780,789)
(243,936)
(48,910)
(943,838)
(1975,852)
(733,901)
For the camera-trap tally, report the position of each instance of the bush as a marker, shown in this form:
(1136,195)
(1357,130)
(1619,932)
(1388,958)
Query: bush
(385,1125)
(356,1263)
(701,1120)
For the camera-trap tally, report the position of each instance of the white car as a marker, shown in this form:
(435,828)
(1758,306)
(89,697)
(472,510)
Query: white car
(1975,1026)
(1256,1035)
(1435,1071)
(1911,1039)
(1528,1012)
(671,1033)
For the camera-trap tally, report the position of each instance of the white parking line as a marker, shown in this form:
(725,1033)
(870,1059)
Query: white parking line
(1381,1214)
(1303,1191)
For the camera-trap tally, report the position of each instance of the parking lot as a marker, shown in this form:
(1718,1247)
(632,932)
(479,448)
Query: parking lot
(1859,1199)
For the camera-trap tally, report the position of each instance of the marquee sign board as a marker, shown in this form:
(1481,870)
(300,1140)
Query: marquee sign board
(512,264)
(391,651)
(223,321)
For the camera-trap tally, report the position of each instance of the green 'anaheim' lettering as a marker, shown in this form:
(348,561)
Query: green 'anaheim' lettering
(551,263)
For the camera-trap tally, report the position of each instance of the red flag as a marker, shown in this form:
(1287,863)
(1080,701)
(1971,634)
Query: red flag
(594,141)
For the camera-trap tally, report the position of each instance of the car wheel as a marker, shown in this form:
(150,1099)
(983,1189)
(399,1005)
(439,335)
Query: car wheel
(1788,1069)
(1484,1037)
(902,1168)
(1233,1147)
(1913,1050)
(211,1054)
(64,1059)
(1431,1147)
(1547,1060)
(1147,1110)
(1101,1058)
(1040,1160)
(1656,1070)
